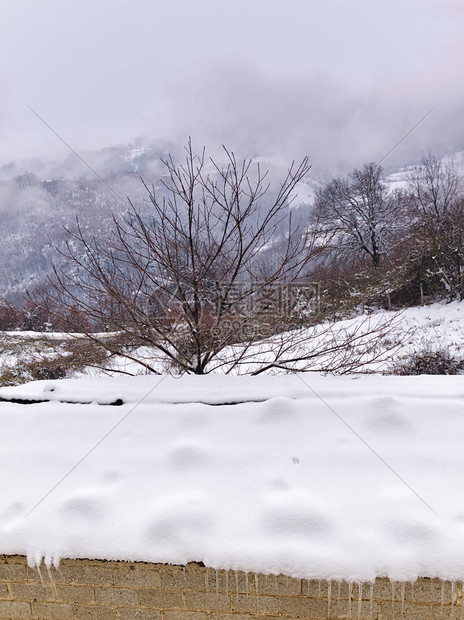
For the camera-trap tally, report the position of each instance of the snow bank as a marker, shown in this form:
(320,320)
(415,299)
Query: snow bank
(274,483)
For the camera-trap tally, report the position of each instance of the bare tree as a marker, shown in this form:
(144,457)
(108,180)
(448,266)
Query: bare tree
(436,205)
(434,185)
(358,215)
(199,279)
(190,274)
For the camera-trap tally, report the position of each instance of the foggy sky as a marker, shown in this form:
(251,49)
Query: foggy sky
(340,81)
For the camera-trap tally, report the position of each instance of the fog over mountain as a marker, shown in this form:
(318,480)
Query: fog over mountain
(341,82)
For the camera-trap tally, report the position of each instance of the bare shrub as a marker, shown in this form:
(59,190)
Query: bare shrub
(428,362)
(43,358)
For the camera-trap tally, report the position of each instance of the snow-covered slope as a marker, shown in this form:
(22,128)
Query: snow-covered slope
(290,484)
(430,329)
(438,327)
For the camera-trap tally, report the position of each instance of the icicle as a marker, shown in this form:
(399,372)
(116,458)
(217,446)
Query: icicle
(236,586)
(371,600)
(329,597)
(402,598)
(339,591)
(360,587)
(393,593)
(412,590)
(266,579)
(227,581)
(217,583)
(453,592)
(350,590)
(442,597)
(52,581)
(319,587)
(246,583)
(40,575)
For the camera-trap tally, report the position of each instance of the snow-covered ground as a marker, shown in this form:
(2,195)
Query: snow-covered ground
(307,475)
(434,328)
(438,327)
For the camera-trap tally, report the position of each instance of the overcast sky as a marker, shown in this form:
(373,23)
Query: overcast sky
(339,80)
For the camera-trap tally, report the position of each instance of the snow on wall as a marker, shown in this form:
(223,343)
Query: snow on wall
(275,483)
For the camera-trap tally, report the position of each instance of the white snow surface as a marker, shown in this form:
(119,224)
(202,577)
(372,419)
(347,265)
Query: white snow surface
(282,481)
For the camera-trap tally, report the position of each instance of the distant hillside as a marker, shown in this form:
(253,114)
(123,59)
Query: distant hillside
(38,199)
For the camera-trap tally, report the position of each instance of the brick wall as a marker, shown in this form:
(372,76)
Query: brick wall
(90,589)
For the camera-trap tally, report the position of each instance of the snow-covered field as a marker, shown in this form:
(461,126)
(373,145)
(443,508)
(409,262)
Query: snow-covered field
(307,475)
(437,327)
